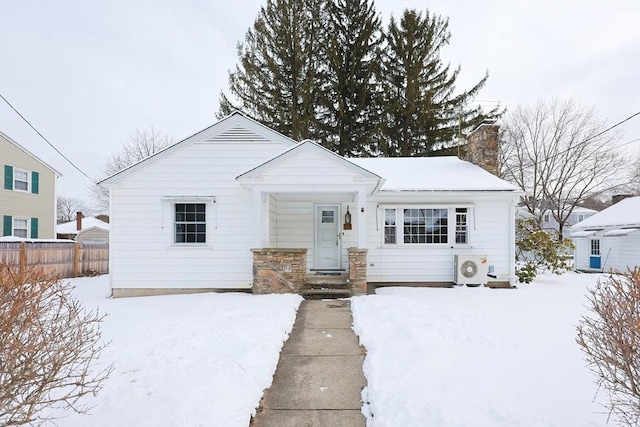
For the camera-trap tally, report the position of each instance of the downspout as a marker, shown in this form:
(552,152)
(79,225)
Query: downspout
(512,242)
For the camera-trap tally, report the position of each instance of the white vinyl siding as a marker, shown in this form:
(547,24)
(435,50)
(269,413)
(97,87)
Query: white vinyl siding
(488,224)
(142,225)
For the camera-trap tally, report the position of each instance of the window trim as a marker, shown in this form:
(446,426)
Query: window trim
(28,181)
(175,222)
(27,227)
(451,224)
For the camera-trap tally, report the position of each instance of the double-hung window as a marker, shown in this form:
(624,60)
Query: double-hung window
(462,227)
(21,227)
(390,227)
(190,223)
(20,180)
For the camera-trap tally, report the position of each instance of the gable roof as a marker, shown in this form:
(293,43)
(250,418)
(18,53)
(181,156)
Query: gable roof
(38,159)
(307,146)
(447,173)
(87,223)
(624,213)
(233,128)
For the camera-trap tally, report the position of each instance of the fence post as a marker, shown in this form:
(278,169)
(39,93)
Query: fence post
(23,257)
(76,259)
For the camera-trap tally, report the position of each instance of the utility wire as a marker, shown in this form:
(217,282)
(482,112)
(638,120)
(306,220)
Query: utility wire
(554,155)
(46,140)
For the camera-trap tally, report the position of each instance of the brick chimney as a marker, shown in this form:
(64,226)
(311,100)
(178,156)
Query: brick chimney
(482,146)
(79,217)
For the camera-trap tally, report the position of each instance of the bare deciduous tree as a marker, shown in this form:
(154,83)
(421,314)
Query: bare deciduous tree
(49,347)
(140,145)
(68,207)
(560,155)
(611,341)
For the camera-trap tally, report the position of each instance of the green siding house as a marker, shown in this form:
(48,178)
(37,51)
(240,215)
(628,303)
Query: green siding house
(27,193)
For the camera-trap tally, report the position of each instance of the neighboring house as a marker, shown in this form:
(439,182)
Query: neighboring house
(84,230)
(610,239)
(27,193)
(578,214)
(238,205)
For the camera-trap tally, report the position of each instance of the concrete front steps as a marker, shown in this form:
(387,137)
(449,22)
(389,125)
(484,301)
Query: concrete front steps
(326,286)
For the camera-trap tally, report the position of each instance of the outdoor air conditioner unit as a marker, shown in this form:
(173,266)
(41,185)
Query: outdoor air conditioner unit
(471,270)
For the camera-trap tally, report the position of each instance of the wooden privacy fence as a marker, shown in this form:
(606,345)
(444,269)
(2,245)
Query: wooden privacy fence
(68,259)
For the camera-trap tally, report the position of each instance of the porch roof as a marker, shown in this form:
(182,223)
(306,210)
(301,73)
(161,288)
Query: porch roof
(310,168)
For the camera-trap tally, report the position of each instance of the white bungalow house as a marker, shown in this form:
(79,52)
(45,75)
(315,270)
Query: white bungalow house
(610,239)
(579,213)
(239,206)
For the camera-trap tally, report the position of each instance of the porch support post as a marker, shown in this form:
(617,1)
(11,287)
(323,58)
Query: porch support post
(257,218)
(362,218)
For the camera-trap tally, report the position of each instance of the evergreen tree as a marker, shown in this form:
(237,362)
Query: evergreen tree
(422,113)
(350,102)
(277,80)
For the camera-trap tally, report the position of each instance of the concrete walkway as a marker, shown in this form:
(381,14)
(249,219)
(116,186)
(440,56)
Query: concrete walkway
(319,376)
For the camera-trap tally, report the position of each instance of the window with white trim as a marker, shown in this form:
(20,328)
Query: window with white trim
(595,247)
(415,226)
(462,228)
(546,218)
(390,227)
(20,180)
(190,223)
(425,225)
(21,227)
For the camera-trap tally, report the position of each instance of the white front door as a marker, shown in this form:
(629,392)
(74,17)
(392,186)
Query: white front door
(327,237)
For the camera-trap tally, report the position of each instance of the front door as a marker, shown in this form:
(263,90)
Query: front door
(327,237)
(594,255)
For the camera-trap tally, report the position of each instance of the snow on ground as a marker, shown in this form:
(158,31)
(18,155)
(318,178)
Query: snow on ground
(185,360)
(477,356)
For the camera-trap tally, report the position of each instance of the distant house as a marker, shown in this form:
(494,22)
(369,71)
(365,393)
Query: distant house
(84,230)
(610,239)
(239,206)
(27,193)
(549,224)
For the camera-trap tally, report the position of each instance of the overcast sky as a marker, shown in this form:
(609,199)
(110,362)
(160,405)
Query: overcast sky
(87,74)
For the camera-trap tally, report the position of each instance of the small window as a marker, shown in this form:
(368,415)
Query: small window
(595,247)
(580,217)
(462,230)
(21,227)
(545,218)
(190,223)
(390,227)
(328,217)
(20,180)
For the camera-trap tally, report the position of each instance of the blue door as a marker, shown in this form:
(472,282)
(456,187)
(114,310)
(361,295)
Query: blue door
(594,258)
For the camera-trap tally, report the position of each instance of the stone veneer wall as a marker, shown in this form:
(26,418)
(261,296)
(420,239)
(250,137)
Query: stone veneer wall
(358,270)
(482,147)
(279,270)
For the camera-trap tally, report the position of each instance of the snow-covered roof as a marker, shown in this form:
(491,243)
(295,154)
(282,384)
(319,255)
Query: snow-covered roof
(624,213)
(447,173)
(88,222)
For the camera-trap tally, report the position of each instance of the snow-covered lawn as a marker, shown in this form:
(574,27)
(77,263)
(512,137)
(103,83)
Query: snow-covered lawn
(478,357)
(445,357)
(185,360)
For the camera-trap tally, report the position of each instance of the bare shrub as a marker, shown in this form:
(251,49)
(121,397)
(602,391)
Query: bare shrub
(611,341)
(49,347)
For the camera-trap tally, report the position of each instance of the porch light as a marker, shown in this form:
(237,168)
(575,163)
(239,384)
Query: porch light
(347,220)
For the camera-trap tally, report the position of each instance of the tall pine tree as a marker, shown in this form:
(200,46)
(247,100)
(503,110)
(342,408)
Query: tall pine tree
(422,112)
(350,103)
(277,80)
